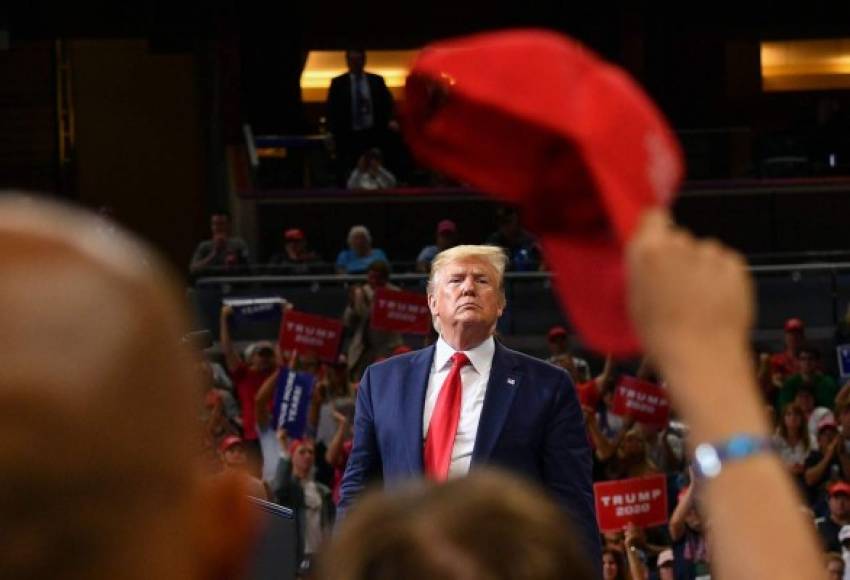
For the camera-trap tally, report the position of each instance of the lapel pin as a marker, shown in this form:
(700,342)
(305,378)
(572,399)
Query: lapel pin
(511,381)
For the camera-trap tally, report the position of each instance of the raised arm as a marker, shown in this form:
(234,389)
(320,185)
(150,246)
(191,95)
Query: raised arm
(263,397)
(692,305)
(231,359)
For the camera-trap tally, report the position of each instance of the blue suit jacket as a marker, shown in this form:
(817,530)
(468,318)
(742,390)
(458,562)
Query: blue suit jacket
(531,424)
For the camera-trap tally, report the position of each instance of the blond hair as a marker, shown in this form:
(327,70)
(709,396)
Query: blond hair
(492,255)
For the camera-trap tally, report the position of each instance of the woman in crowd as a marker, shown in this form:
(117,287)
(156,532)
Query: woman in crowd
(613,567)
(792,439)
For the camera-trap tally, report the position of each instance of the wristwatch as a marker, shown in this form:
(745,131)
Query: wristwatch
(709,458)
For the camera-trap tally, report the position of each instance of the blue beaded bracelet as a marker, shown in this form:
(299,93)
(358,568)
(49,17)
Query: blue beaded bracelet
(710,457)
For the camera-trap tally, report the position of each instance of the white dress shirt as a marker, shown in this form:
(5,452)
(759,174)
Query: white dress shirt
(474,378)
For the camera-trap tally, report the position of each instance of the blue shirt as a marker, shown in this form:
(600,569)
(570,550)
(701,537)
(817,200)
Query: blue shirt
(354,264)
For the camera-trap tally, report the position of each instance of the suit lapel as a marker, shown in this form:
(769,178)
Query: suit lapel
(414,388)
(501,388)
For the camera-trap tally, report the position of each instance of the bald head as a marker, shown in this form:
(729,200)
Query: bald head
(96,401)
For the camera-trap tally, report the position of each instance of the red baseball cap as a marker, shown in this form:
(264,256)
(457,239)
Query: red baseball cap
(229,442)
(536,119)
(446,226)
(556,331)
(839,487)
(794,324)
(293,234)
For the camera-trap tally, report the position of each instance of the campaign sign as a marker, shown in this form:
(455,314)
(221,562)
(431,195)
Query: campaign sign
(843,351)
(292,402)
(640,500)
(255,309)
(645,401)
(399,311)
(302,332)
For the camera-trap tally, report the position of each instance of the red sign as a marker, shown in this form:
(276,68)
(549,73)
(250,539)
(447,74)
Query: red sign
(645,401)
(398,311)
(641,501)
(307,332)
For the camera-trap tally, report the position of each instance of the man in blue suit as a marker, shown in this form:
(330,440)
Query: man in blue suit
(468,401)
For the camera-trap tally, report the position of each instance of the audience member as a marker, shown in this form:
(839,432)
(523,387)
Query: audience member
(360,109)
(690,543)
(613,566)
(666,565)
(294,487)
(484,526)
(446,237)
(809,375)
(366,343)
(686,296)
(331,393)
(247,377)
(839,515)
(295,254)
(558,342)
(784,364)
(370,173)
(339,450)
(234,459)
(826,463)
(792,439)
(93,485)
(360,253)
(520,246)
(222,250)
(805,400)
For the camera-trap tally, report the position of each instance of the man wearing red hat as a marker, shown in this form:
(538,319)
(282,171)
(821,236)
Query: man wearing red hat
(468,401)
(839,515)
(295,253)
(784,364)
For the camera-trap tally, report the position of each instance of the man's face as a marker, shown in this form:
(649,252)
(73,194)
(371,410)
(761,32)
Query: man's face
(263,359)
(467,293)
(356,60)
(839,506)
(220,225)
(793,340)
(666,572)
(557,344)
(234,456)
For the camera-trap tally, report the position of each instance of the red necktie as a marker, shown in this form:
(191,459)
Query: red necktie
(441,432)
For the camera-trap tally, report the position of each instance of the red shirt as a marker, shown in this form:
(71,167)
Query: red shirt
(784,364)
(248,382)
(588,393)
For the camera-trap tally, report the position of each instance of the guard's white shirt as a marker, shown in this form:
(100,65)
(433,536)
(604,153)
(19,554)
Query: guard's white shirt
(474,377)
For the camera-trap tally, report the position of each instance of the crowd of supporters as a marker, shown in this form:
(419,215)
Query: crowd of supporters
(809,409)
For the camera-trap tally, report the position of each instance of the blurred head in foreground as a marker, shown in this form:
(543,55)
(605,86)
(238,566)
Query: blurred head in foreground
(488,526)
(99,457)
